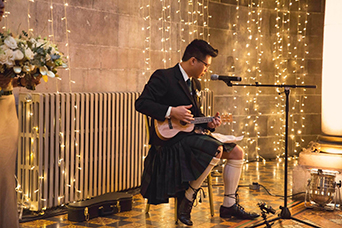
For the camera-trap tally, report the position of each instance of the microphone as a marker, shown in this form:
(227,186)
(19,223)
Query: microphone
(224,78)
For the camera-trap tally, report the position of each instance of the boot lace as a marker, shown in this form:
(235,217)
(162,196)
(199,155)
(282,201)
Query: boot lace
(194,196)
(236,197)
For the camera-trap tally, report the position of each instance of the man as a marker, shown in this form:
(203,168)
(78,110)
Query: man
(177,167)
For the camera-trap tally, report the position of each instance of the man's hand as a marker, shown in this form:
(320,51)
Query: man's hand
(182,113)
(216,121)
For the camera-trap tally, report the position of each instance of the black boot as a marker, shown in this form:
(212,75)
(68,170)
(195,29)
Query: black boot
(236,210)
(185,208)
(184,211)
(180,196)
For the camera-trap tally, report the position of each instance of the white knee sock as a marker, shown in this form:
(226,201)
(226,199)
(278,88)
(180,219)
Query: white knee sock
(231,177)
(198,182)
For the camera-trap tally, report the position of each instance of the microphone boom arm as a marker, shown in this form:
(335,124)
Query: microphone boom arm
(257,84)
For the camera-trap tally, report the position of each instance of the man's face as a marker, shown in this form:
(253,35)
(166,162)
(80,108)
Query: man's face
(201,66)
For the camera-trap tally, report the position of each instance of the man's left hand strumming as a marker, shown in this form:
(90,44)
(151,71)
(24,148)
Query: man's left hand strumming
(216,121)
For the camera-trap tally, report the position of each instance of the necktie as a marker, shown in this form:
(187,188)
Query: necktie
(188,82)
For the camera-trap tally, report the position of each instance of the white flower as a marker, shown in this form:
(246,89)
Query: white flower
(198,93)
(4,47)
(29,53)
(40,42)
(26,68)
(17,69)
(33,41)
(3,56)
(18,55)
(43,70)
(53,51)
(47,57)
(10,42)
(6,58)
(50,74)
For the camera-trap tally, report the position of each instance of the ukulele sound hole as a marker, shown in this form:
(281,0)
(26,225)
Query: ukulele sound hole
(182,123)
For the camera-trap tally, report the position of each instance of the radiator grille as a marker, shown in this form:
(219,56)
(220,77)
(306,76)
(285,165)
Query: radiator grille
(74,146)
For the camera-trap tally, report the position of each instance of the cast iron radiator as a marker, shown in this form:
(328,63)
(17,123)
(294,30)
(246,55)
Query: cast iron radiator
(74,146)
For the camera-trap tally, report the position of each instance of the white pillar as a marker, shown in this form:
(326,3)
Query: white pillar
(332,69)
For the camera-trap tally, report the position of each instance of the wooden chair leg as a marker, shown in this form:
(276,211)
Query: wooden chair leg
(147,208)
(210,193)
(211,200)
(176,210)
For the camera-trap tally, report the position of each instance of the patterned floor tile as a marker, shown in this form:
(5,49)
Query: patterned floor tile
(269,174)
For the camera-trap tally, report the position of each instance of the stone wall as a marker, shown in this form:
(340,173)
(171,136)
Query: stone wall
(114,45)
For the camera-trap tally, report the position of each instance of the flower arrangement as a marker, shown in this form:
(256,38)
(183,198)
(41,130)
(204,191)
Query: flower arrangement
(29,59)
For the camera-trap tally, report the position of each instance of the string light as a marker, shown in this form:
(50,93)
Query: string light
(245,128)
(196,11)
(166,25)
(235,61)
(205,11)
(253,50)
(146,14)
(278,63)
(79,157)
(52,35)
(67,31)
(29,197)
(31,160)
(190,22)
(30,29)
(5,18)
(301,72)
(181,30)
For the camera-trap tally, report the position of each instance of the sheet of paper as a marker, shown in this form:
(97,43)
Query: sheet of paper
(226,138)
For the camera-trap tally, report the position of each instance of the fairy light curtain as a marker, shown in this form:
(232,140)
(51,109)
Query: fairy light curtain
(289,53)
(24,197)
(288,56)
(191,19)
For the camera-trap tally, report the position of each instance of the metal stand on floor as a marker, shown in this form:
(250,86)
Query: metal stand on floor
(285,212)
(266,210)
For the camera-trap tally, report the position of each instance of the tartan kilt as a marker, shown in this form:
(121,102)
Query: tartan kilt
(168,169)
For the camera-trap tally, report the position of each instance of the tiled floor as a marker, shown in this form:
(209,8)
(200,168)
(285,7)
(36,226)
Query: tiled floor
(269,174)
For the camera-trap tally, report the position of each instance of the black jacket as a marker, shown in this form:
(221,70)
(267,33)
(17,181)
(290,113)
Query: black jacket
(167,88)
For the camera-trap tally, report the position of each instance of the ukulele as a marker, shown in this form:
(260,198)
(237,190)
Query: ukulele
(168,128)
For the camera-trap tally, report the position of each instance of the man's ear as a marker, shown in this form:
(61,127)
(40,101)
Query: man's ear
(192,60)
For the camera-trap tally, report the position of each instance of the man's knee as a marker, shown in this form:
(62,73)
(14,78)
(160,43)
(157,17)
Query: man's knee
(238,152)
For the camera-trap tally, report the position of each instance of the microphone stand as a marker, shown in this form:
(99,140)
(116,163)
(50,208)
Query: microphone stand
(285,212)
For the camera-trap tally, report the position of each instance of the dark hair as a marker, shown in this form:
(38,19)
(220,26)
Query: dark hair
(199,49)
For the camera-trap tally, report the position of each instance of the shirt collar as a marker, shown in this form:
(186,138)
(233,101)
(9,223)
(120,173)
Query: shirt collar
(185,75)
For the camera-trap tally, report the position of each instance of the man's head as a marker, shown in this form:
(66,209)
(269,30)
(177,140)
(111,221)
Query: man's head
(197,58)
(199,49)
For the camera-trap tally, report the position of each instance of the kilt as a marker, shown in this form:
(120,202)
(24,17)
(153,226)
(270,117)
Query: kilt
(168,169)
